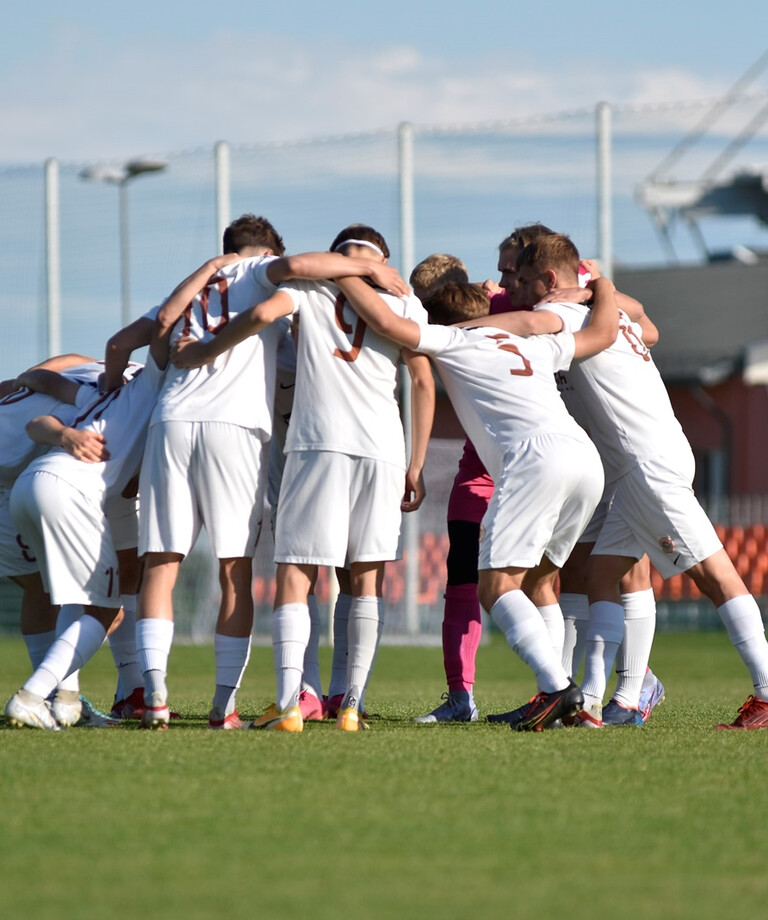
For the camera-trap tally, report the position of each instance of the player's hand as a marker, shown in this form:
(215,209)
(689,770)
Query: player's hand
(415,492)
(567,295)
(591,266)
(84,445)
(387,277)
(188,352)
(492,287)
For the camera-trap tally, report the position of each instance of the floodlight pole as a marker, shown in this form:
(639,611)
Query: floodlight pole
(121,177)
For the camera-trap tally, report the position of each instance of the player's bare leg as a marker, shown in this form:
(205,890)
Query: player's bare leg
(500,592)
(290,635)
(154,632)
(363,636)
(232,640)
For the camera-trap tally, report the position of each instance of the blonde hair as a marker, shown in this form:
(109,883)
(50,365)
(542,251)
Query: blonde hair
(435,271)
(454,302)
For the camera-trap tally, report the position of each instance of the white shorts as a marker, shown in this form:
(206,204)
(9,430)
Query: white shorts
(123,517)
(71,539)
(655,511)
(547,493)
(201,473)
(16,557)
(335,509)
(595,525)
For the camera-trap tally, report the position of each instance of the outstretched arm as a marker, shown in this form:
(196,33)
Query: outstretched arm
(177,303)
(192,353)
(422,416)
(369,306)
(603,326)
(520,322)
(319,266)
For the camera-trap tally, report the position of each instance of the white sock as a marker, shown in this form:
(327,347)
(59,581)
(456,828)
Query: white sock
(575,609)
(606,630)
(232,654)
(553,620)
(69,614)
(742,619)
(290,635)
(338,683)
(635,649)
(311,680)
(37,646)
(122,644)
(154,637)
(363,632)
(525,631)
(73,648)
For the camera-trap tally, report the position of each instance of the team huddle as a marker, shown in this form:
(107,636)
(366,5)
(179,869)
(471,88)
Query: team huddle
(575,476)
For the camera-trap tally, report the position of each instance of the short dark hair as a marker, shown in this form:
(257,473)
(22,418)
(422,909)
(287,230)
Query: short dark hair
(454,302)
(523,236)
(361,232)
(249,230)
(555,251)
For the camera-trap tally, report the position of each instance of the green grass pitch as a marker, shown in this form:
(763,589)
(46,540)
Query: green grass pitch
(665,822)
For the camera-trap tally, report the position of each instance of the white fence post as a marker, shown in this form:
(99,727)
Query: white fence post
(604,190)
(52,260)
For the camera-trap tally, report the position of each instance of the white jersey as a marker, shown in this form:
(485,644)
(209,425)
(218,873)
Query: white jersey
(16,409)
(122,417)
(622,395)
(501,385)
(346,377)
(237,386)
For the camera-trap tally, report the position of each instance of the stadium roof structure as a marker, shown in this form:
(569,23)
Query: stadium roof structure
(712,318)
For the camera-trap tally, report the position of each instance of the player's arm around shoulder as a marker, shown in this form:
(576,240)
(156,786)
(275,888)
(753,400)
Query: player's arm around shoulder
(603,327)
(422,417)
(84,445)
(370,307)
(520,322)
(49,383)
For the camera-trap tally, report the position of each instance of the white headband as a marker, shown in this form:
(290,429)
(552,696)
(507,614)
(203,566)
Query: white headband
(372,246)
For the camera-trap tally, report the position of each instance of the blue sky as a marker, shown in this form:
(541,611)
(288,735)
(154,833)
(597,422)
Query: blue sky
(97,80)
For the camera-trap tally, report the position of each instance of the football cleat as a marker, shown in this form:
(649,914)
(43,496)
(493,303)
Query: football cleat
(546,708)
(272,719)
(132,707)
(156,716)
(459,706)
(332,706)
(91,717)
(312,709)
(509,718)
(350,720)
(67,707)
(25,708)
(651,694)
(616,714)
(588,717)
(753,714)
(219,720)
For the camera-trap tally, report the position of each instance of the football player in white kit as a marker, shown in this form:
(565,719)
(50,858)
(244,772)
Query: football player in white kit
(653,509)
(59,505)
(204,462)
(345,474)
(547,473)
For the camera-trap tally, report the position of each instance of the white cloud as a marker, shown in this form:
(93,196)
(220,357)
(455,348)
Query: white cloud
(93,99)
